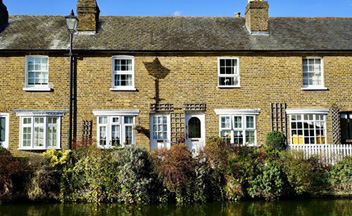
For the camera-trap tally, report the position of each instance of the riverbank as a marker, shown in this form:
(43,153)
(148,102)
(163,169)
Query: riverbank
(321,207)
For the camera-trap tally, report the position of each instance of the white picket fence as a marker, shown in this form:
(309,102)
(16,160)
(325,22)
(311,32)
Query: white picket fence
(327,154)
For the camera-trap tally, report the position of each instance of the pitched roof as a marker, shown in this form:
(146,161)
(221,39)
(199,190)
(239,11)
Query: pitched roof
(179,34)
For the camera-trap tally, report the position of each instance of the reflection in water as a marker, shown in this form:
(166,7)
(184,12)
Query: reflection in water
(284,208)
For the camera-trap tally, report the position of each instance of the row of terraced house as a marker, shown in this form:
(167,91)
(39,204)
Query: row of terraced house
(159,81)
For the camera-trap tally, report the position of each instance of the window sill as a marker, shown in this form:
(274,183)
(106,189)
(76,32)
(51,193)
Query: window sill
(35,89)
(228,87)
(123,89)
(38,149)
(314,89)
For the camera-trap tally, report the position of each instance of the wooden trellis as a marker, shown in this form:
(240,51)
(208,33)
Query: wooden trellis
(177,128)
(87,133)
(278,117)
(161,107)
(195,107)
(336,124)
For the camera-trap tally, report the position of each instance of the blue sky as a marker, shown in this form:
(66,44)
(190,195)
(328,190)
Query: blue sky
(320,8)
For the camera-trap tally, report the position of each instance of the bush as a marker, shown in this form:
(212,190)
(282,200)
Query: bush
(341,177)
(276,140)
(46,181)
(118,175)
(14,173)
(305,176)
(176,170)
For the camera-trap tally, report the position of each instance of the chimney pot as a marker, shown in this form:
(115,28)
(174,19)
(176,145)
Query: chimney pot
(238,14)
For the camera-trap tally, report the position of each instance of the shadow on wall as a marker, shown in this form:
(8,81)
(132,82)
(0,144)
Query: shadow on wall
(158,72)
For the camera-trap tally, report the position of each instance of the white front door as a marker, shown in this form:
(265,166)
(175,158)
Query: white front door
(195,132)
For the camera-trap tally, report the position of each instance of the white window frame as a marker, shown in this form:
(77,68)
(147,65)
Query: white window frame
(229,75)
(243,113)
(36,87)
(110,114)
(314,87)
(40,113)
(122,88)
(313,112)
(5,144)
(46,125)
(160,143)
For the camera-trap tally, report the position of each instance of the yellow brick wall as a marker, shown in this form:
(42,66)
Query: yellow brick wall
(194,80)
(13,96)
(190,79)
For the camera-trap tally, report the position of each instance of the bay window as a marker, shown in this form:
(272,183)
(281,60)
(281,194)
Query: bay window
(40,129)
(238,126)
(115,128)
(308,127)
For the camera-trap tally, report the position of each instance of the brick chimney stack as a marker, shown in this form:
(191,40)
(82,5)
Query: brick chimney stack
(257,17)
(88,15)
(4,16)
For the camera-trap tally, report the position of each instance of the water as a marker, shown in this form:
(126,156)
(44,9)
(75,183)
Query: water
(255,208)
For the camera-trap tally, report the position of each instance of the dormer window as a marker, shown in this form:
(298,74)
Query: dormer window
(123,73)
(37,73)
(228,72)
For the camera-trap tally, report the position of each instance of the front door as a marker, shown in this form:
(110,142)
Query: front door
(195,132)
(346,127)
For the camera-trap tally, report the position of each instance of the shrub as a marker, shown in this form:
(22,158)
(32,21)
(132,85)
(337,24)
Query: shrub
(14,173)
(118,175)
(305,176)
(257,174)
(276,140)
(176,170)
(46,181)
(241,171)
(217,153)
(341,177)
(270,181)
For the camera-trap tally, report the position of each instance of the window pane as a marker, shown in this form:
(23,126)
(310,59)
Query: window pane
(2,128)
(226,134)
(128,135)
(52,136)
(226,81)
(128,119)
(38,136)
(115,135)
(237,122)
(102,138)
(194,128)
(249,121)
(27,136)
(250,137)
(160,127)
(103,120)
(238,137)
(225,122)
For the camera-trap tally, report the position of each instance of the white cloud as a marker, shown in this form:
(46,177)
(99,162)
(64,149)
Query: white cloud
(177,13)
